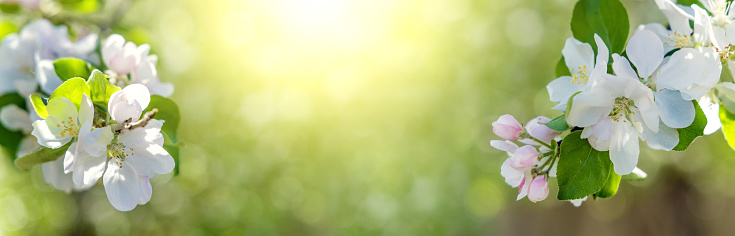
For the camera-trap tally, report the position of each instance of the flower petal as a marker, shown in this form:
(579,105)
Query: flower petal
(53,175)
(677,16)
(675,111)
(578,202)
(62,108)
(711,110)
(88,169)
(46,137)
(702,25)
(47,77)
(512,176)
(27,145)
(646,52)
(14,118)
(602,54)
(139,93)
(150,160)
(622,67)
(578,54)
(70,156)
(624,147)
(678,71)
(504,145)
(561,89)
(97,141)
(86,111)
(588,107)
(146,190)
(662,33)
(122,186)
(644,101)
(665,139)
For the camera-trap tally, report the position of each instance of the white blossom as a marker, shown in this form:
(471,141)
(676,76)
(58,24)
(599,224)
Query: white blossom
(125,59)
(125,162)
(583,66)
(613,111)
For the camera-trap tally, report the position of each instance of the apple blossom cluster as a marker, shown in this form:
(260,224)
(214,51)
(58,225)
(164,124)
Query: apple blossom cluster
(87,110)
(662,89)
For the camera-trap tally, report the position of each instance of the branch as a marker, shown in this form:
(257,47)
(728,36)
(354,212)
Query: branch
(129,125)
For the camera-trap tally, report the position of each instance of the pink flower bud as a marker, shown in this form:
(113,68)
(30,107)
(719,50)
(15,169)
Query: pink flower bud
(524,157)
(539,189)
(507,127)
(540,131)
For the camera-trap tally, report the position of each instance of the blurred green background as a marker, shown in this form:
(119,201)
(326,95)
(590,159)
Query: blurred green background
(366,117)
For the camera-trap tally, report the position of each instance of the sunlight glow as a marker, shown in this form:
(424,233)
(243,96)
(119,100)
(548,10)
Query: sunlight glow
(313,16)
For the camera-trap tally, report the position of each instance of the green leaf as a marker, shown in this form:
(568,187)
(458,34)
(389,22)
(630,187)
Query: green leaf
(40,156)
(9,139)
(559,124)
(9,7)
(696,129)
(81,6)
(100,87)
(562,69)
(39,105)
(168,111)
(689,3)
(7,27)
(72,89)
(582,170)
(174,151)
(67,68)
(606,18)
(728,126)
(611,186)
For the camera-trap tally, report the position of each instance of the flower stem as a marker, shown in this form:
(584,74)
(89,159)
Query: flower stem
(539,141)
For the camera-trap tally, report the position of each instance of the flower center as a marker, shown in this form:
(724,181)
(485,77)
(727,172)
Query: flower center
(725,52)
(719,12)
(70,128)
(680,40)
(621,109)
(580,75)
(117,152)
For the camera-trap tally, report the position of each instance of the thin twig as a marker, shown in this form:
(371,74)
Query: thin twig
(129,125)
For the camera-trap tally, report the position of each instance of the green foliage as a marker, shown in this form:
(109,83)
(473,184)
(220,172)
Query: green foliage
(689,3)
(9,7)
(40,156)
(7,27)
(100,88)
(611,186)
(73,89)
(9,140)
(81,6)
(559,124)
(606,18)
(582,170)
(562,69)
(67,68)
(174,151)
(168,111)
(39,105)
(696,129)
(728,126)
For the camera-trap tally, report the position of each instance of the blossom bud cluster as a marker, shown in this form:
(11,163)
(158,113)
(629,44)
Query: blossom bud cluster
(647,94)
(523,169)
(99,121)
